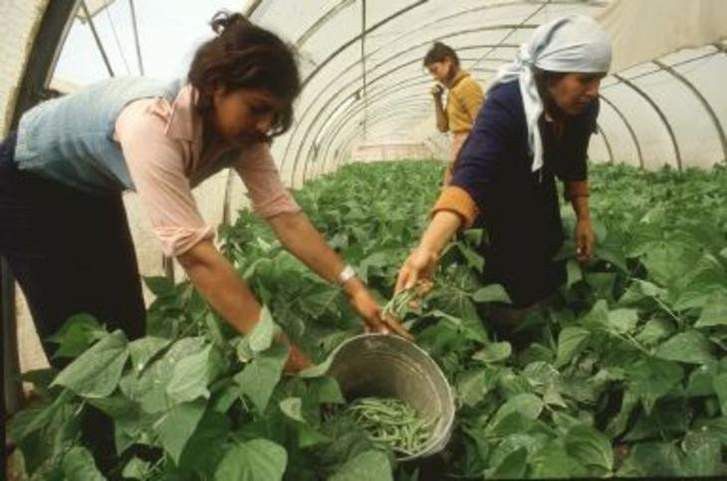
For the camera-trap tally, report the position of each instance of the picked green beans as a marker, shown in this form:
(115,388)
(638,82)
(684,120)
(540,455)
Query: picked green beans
(392,422)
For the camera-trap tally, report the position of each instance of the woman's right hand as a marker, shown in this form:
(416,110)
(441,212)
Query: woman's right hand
(420,264)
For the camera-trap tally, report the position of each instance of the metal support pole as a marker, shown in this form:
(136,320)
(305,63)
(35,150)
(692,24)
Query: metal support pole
(12,387)
(632,133)
(659,112)
(97,38)
(608,144)
(136,37)
(705,104)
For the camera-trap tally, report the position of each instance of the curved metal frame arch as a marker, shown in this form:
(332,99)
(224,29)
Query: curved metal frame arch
(590,4)
(659,112)
(705,104)
(348,115)
(333,96)
(383,63)
(605,141)
(334,132)
(374,121)
(328,144)
(631,130)
(346,145)
(410,109)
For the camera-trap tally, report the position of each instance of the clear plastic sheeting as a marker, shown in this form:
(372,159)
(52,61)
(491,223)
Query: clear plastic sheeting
(364,80)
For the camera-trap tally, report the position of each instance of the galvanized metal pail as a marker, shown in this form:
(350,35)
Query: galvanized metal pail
(382,365)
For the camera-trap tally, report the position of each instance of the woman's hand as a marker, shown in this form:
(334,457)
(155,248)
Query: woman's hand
(420,265)
(585,240)
(367,307)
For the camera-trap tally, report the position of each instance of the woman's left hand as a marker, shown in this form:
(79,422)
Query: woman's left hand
(365,304)
(585,240)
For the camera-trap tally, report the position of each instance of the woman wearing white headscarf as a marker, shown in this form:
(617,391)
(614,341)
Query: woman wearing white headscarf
(540,113)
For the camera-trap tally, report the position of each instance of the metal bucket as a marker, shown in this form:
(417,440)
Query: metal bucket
(382,365)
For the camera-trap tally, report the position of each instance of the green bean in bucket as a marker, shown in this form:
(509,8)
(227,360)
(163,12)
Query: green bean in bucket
(392,422)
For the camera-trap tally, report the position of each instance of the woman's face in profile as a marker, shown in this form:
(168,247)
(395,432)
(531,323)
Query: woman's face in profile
(574,91)
(244,115)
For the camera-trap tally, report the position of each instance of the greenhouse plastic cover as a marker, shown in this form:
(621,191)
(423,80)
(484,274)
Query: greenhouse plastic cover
(366,93)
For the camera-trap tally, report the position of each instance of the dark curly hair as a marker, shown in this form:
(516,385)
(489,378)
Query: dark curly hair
(243,55)
(438,52)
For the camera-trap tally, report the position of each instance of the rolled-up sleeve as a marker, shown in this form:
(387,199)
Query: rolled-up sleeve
(266,191)
(156,164)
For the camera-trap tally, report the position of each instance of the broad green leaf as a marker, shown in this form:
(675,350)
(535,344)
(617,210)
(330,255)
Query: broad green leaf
(96,372)
(720,387)
(618,424)
(653,459)
(77,335)
(149,388)
(701,380)
(203,451)
(325,390)
(309,436)
(704,454)
(654,331)
(639,290)
(494,352)
(611,255)
(714,312)
(667,261)
(136,469)
(491,293)
(160,286)
(177,425)
(575,274)
(473,258)
(28,421)
(256,460)
(78,465)
(653,378)
(190,377)
(570,342)
(598,316)
(261,337)
(513,466)
(293,408)
(526,405)
(623,320)
(471,387)
(260,377)
(690,347)
(590,447)
(553,461)
(367,466)
(145,349)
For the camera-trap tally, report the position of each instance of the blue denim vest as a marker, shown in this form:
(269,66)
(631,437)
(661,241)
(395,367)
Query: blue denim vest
(70,139)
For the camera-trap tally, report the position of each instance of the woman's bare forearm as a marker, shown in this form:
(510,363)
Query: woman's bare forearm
(218,282)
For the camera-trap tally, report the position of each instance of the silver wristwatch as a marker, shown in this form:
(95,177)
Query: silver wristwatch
(346,275)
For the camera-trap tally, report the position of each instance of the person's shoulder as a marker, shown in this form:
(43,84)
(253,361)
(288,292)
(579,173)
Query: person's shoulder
(507,93)
(469,83)
(506,99)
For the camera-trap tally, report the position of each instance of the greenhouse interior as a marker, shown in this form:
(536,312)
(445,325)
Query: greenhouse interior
(364,240)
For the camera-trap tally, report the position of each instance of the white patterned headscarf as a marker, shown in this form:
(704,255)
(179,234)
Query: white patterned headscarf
(574,43)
